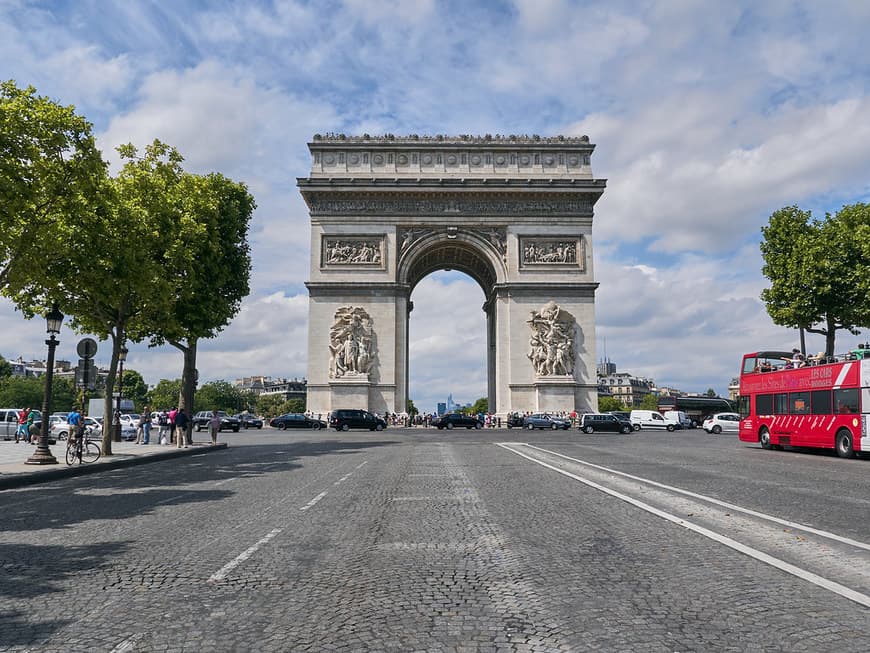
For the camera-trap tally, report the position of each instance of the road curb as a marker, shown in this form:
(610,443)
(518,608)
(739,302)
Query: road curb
(23,479)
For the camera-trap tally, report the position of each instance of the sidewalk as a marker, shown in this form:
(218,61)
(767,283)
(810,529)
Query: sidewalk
(15,473)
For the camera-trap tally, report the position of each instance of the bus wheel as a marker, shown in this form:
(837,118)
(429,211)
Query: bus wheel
(844,444)
(764,438)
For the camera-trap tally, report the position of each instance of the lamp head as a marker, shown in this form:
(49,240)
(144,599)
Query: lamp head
(122,355)
(53,320)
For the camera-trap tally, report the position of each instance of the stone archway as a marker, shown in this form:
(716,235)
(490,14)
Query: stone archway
(514,213)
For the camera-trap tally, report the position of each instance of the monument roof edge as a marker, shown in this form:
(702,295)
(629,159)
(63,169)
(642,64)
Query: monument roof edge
(413,140)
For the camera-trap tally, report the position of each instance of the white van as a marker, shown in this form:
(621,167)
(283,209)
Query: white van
(679,417)
(650,419)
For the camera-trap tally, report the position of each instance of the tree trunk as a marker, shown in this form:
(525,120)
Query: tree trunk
(830,337)
(108,404)
(188,381)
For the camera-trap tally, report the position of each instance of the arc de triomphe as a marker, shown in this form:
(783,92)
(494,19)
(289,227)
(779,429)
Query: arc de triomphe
(514,213)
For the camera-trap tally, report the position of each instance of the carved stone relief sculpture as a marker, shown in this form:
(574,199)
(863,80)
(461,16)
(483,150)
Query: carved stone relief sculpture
(351,344)
(353,251)
(549,251)
(551,346)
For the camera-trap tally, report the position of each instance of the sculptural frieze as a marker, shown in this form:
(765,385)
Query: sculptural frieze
(495,236)
(351,344)
(353,250)
(404,206)
(551,346)
(548,251)
(409,235)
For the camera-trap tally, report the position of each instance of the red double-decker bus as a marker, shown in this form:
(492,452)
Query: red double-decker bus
(823,403)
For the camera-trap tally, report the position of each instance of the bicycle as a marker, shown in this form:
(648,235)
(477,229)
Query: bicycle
(81,450)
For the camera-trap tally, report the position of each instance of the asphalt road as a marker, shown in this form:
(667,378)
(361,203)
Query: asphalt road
(426,540)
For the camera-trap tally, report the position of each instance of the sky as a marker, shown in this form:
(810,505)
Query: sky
(707,117)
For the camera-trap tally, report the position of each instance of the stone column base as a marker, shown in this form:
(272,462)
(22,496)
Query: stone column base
(350,392)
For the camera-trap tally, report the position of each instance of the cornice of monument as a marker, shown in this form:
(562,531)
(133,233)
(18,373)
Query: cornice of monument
(463,140)
(446,183)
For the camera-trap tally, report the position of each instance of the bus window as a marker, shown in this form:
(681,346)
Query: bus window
(820,401)
(750,365)
(743,407)
(846,400)
(800,403)
(764,405)
(780,404)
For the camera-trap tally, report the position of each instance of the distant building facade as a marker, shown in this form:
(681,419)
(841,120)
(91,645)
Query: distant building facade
(267,386)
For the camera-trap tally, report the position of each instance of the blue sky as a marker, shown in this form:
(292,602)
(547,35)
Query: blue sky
(707,117)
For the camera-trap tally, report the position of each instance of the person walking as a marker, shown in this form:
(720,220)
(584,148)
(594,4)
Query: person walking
(181,422)
(21,431)
(163,427)
(214,426)
(145,425)
(172,414)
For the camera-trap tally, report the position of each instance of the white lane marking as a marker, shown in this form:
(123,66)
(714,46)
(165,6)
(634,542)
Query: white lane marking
(128,644)
(361,464)
(313,501)
(842,590)
(179,496)
(244,555)
(226,480)
(343,479)
(724,504)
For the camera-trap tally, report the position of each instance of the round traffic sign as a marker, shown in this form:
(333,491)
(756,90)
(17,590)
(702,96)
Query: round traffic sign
(87,347)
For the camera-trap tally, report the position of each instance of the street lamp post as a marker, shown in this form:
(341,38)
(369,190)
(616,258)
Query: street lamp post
(122,356)
(43,455)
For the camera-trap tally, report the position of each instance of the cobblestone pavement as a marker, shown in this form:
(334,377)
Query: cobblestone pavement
(418,540)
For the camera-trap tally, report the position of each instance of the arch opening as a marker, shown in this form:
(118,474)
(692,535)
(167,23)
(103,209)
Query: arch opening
(447,342)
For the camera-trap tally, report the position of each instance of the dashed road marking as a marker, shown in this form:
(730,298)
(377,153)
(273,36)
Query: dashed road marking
(313,501)
(244,555)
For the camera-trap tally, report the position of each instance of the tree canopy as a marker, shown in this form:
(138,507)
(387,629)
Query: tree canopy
(819,270)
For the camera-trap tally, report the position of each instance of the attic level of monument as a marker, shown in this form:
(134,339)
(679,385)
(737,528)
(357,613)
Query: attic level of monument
(457,158)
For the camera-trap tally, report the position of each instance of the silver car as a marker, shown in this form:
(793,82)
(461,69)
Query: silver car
(722,422)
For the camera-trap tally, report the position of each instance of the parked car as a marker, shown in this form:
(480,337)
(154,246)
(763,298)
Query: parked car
(249,421)
(545,421)
(591,422)
(228,422)
(342,420)
(515,420)
(60,429)
(456,420)
(651,419)
(727,422)
(624,414)
(9,421)
(296,421)
(680,417)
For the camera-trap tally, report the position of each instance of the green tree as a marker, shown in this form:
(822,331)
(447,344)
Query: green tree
(165,394)
(133,387)
(293,406)
(479,406)
(221,395)
(210,285)
(269,405)
(819,270)
(51,176)
(27,392)
(649,402)
(5,368)
(606,404)
(711,393)
(412,409)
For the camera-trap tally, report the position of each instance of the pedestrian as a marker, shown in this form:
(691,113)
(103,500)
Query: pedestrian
(163,427)
(30,417)
(22,426)
(214,426)
(181,422)
(145,425)
(172,414)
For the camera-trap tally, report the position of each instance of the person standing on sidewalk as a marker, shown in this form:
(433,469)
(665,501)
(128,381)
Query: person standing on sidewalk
(214,426)
(145,424)
(172,414)
(181,422)
(163,427)
(22,426)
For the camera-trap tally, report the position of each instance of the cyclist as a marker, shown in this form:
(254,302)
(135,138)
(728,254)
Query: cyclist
(76,424)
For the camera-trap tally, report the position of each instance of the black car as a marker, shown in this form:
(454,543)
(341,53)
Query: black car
(342,420)
(456,420)
(546,421)
(249,421)
(228,422)
(591,422)
(296,421)
(515,420)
